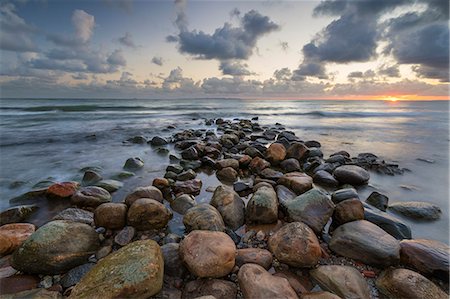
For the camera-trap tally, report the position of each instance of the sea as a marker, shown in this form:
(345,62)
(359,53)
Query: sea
(54,139)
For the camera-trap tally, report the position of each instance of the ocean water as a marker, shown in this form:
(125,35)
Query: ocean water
(55,138)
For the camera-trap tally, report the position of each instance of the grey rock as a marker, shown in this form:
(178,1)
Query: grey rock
(378,200)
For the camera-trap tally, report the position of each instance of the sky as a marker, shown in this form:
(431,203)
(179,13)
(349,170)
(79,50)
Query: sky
(271,49)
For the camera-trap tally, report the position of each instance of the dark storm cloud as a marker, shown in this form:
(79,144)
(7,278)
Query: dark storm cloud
(234,68)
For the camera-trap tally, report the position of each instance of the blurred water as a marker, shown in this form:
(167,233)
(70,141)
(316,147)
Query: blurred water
(52,138)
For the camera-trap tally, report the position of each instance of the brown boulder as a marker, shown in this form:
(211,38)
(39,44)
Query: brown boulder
(233,163)
(188,187)
(91,196)
(348,210)
(111,215)
(296,181)
(13,235)
(227,174)
(18,283)
(62,190)
(297,151)
(146,213)
(203,217)
(258,256)
(276,153)
(320,295)
(258,164)
(144,192)
(230,206)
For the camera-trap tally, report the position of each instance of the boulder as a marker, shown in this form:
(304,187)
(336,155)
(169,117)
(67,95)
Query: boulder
(296,181)
(275,153)
(208,253)
(320,295)
(187,175)
(110,185)
(158,141)
(347,211)
(271,174)
(133,164)
(417,210)
(74,275)
(390,224)
(203,217)
(295,244)
(188,187)
(351,174)
(366,242)
(378,200)
(183,203)
(233,163)
(227,174)
(258,256)
(256,282)
(210,288)
(290,165)
(344,281)
(76,215)
(404,283)
(174,168)
(62,190)
(90,177)
(134,271)
(284,195)
(90,197)
(111,215)
(343,194)
(147,213)
(17,214)
(144,192)
(56,247)
(258,164)
(230,206)
(263,206)
(125,235)
(13,235)
(313,208)
(173,266)
(324,178)
(297,151)
(190,153)
(38,293)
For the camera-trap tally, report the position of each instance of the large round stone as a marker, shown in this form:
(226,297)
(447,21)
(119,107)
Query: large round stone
(348,210)
(296,181)
(13,235)
(263,206)
(295,244)
(203,217)
(147,213)
(56,247)
(134,271)
(90,197)
(230,206)
(297,151)
(183,203)
(416,209)
(351,174)
(276,153)
(111,215)
(144,192)
(208,254)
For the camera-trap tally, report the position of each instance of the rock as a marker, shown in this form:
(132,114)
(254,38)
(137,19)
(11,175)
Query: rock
(233,163)
(230,206)
(290,165)
(62,190)
(313,208)
(17,214)
(74,275)
(17,283)
(227,174)
(275,153)
(208,253)
(366,242)
(209,289)
(90,177)
(258,256)
(147,213)
(284,195)
(13,235)
(417,209)
(173,266)
(427,256)
(187,175)
(343,194)
(170,176)
(133,164)
(56,247)
(35,294)
(76,215)
(244,161)
(188,187)
(378,200)
(347,211)
(144,192)
(161,183)
(295,244)
(109,185)
(271,174)
(174,168)
(137,140)
(258,164)
(134,271)
(404,283)
(297,151)
(297,182)
(125,235)
(320,295)
(190,153)
(344,281)
(393,226)
(263,206)
(183,203)
(158,141)
(90,197)
(203,217)
(315,152)
(111,215)
(195,164)
(324,178)
(351,174)
(256,282)
(242,186)
(123,175)
(252,152)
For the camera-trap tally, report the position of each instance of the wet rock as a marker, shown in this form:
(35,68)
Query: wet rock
(190,153)
(324,178)
(253,152)
(271,174)
(175,168)
(297,151)
(62,190)
(227,174)
(347,211)
(17,284)
(90,197)
(52,250)
(417,210)
(173,266)
(137,140)
(203,217)
(134,271)
(344,281)
(195,164)
(125,235)
(295,244)
(123,175)
(315,152)
(230,206)
(161,183)
(133,164)
(211,152)
(76,215)
(275,153)
(74,275)
(229,140)
(427,256)
(351,174)
(256,282)
(233,163)
(211,288)
(403,283)
(343,194)
(158,141)
(313,143)
(313,208)
(13,235)
(109,185)
(170,175)
(183,203)
(258,164)
(258,256)
(364,241)
(393,226)
(90,177)
(242,186)
(284,195)
(378,200)
(147,213)
(296,181)
(17,214)
(263,206)
(244,161)
(188,187)
(111,215)
(144,192)
(187,175)
(290,165)
(208,254)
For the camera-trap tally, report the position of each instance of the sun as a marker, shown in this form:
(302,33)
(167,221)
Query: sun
(391,99)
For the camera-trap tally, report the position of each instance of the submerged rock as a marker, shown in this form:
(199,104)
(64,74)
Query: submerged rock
(110,185)
(417,209)
(90,177)
(133,164)
(230,206)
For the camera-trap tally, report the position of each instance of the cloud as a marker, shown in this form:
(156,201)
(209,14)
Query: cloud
(234,68)
(117,59)
(158,60)
(282,74)
(127,40)
(284,46)
(355,75)
(310,69)
(80,76)
(175,81)
(83,24)
(389,71)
